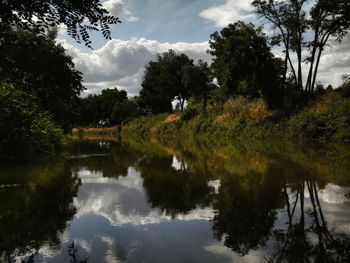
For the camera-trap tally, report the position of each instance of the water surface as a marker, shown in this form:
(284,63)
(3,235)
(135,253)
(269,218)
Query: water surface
(178,202)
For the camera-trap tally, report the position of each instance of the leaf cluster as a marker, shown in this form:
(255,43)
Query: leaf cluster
(80,17)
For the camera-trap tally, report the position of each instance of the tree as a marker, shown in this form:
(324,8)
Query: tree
(162,82)
(80,17)
(124,110)
(303,30)
(111,107)
(198,80)
(243,63)
(41,67)
(345,87)
(25,129)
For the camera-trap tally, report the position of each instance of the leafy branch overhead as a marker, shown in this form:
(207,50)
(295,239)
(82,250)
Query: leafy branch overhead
(80,17)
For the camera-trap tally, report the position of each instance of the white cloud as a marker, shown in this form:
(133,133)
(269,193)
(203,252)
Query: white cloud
(117,8)
(230,12)
(121,63)
(124,201)
(335,62)
(219,249)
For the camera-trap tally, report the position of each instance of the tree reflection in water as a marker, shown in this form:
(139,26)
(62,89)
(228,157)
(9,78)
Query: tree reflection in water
(174,191)
(249,203)
(74,256)
(37,212)
(246,210)
(296,243)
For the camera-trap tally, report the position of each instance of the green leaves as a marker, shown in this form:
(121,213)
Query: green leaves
(162,82)
(243,63)
(79,17)
(24,128)
(39,66)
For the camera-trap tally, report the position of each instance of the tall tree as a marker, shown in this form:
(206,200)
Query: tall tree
(162,82)
(80,17)
(243,63)
(198,80)
(41,67)
(302,30)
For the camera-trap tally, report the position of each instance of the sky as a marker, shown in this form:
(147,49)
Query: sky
(150,27)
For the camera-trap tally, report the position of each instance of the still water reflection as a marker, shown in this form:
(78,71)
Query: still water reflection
(188,202)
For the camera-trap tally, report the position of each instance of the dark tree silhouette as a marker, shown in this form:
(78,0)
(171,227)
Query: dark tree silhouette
(41,67)
(173,191)
(243,63)
(110,107)
(37,213)
(198,80)
(294,245)
(162,82)
(246,210)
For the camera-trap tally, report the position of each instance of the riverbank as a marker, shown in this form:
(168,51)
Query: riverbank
(93,134)
(325,120)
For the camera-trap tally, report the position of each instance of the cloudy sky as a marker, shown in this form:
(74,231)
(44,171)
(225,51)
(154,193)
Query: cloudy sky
(155,26)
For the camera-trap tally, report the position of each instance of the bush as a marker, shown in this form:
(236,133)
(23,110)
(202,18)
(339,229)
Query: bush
(192,109)
(328,119)
(25,130)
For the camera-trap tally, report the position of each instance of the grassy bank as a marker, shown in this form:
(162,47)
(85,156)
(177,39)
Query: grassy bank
(325,119)
(109,134)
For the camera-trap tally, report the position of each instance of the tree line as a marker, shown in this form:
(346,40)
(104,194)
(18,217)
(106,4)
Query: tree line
(243,65)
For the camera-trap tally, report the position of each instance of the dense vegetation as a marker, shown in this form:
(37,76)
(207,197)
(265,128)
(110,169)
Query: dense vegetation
(326,119)
(39,92)
(39,86)
(111,107)
(25,129)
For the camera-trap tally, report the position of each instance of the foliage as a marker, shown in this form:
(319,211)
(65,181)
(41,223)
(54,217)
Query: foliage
(327,119)
(80,17)
(111,107)
(124,111)
(41,67)
(243,63)
(198,81)
(24,128)
(144,126)
(162,83)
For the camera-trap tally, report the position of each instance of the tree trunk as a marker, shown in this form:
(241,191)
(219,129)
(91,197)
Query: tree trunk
(182,102)
(205,101)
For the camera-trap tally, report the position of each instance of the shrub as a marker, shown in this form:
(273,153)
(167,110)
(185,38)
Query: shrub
(25,130)
(327,119)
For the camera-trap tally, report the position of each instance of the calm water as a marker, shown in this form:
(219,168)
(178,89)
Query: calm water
(179,202)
